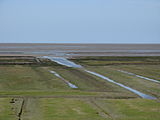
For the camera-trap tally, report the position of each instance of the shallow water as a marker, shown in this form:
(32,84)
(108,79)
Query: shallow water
(68,83)
(119,84)
(56,74)
(64,61)
(71,85)
(139,76)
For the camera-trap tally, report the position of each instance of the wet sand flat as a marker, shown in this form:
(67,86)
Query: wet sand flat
(72,50)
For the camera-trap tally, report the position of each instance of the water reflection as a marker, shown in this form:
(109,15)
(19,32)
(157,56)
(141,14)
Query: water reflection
(64,61)
(119,84)
(67,82)
(139,76)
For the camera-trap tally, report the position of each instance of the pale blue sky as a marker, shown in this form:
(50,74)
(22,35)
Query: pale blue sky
(80,21)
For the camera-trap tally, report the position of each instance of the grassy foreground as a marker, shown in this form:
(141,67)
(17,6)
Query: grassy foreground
(80,109)
(31,92)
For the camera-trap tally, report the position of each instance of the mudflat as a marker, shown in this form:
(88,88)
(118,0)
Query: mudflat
(73,50)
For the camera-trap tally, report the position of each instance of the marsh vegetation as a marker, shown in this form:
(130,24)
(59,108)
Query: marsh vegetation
(31,92)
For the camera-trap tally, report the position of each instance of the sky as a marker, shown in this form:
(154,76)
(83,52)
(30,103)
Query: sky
(79,21)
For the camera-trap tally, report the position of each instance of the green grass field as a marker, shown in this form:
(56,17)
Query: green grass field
(80,109)
(31,92)
(18,77)
(142,85)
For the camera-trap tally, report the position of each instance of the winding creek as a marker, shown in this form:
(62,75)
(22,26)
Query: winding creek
(65,62)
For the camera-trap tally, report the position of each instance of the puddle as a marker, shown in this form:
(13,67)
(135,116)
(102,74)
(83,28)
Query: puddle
(67,82)
(139,76)
(64,61)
